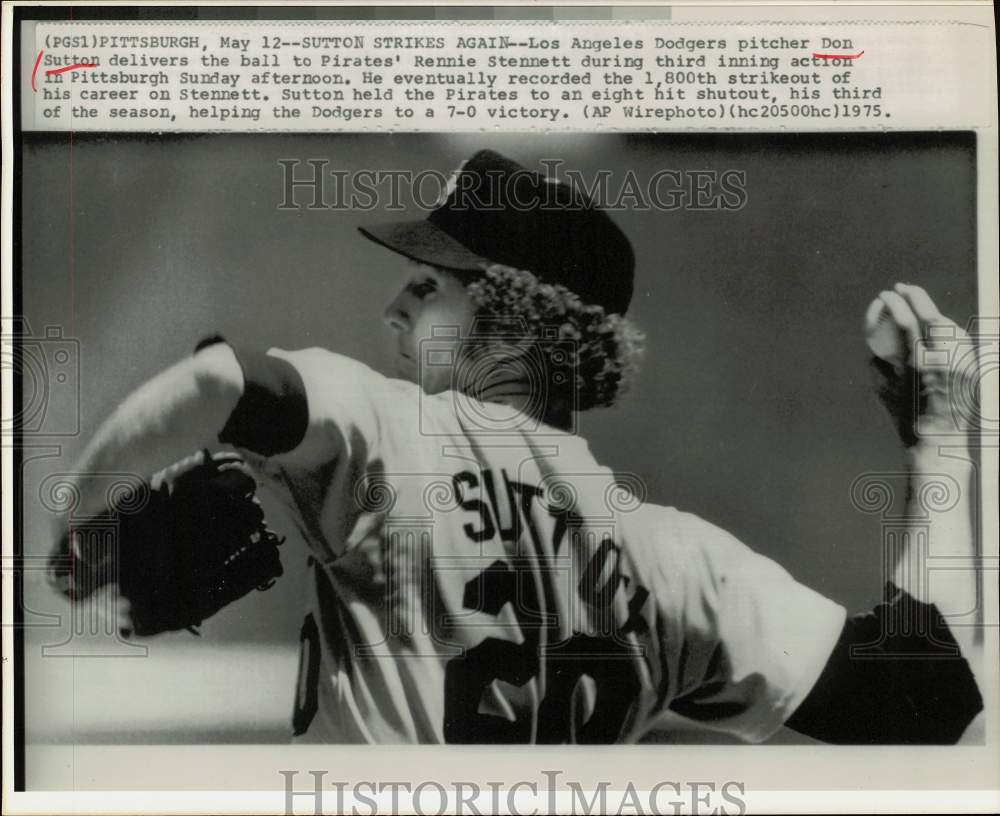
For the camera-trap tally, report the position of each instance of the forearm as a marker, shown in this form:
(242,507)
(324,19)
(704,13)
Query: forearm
(935,559)
(179,411)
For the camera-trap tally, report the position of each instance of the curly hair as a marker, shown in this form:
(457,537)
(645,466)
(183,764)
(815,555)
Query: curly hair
(604,350)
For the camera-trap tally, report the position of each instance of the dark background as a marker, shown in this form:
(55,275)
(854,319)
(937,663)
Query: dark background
(753,408)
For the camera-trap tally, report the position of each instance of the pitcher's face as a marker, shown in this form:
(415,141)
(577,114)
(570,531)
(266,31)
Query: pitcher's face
(430,316)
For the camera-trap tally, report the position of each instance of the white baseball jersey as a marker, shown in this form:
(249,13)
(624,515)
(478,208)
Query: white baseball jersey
(477,577)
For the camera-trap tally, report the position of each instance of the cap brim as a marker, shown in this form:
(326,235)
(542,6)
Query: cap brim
(423,242)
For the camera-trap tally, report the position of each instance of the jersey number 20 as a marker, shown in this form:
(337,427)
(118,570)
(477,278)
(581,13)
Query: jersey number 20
(606,661)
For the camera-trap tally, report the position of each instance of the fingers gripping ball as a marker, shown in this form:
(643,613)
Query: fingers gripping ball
(915,373)
(884,338)
(199,543)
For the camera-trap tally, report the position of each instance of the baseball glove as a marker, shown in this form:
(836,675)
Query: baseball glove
(189,542)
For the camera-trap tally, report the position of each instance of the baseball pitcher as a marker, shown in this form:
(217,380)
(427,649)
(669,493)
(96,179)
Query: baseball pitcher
(475,575)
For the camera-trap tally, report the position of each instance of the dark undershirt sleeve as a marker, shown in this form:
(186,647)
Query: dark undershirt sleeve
(896,676)
(272,415)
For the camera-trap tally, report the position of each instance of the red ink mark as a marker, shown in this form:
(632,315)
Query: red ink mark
(838,56)
(66,68)
(35,71)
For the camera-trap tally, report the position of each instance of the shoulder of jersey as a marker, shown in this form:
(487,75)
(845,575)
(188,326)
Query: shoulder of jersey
(330,366)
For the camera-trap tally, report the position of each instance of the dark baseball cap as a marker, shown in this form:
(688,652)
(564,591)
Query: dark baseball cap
(496,211)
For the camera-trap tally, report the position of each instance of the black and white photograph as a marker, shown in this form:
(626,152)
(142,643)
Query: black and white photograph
(429,397)
(499,439)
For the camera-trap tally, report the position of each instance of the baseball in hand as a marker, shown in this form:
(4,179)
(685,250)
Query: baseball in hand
(883,336)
